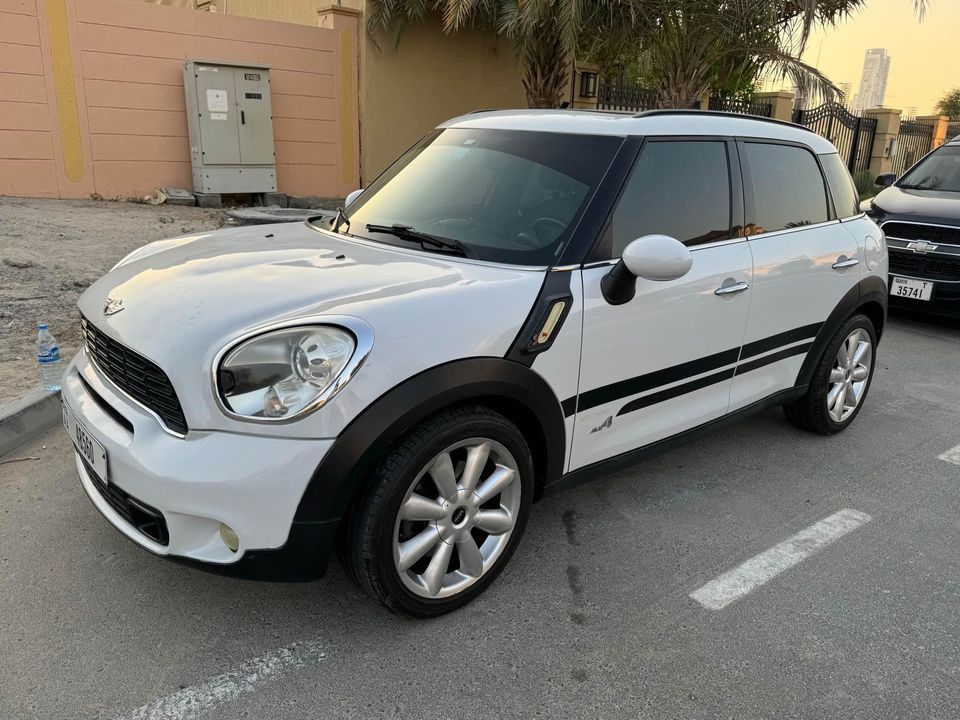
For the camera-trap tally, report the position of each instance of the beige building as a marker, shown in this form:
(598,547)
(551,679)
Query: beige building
(93,98)
(406,90)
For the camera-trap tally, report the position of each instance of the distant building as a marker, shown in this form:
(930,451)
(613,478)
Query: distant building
(873,80)
(846,88)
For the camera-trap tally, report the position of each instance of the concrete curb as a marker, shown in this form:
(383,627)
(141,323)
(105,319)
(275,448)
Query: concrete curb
(28,417)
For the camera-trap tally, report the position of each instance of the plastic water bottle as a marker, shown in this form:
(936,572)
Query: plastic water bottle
(48,356)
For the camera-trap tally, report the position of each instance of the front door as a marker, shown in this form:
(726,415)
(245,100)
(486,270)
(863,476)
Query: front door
(663,362)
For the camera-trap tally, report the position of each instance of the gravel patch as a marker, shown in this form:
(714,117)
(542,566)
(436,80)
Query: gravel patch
(51,251)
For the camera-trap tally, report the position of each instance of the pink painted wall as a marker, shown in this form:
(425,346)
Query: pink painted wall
(127,67)
(27,165)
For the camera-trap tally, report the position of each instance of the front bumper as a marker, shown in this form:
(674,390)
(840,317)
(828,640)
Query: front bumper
(251,483)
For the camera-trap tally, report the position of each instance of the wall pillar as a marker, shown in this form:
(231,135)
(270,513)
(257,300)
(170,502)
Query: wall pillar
(888,128)
(346,22)
(577,102)
(781,102)
(939,123)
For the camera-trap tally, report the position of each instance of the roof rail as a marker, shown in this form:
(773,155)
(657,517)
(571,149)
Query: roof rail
(719,113)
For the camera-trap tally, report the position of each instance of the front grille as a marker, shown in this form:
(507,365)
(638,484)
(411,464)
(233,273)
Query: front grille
(934,267)
(135,375)
(141,516)
(915,231)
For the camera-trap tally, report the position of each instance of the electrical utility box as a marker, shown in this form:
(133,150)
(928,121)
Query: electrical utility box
(231,127)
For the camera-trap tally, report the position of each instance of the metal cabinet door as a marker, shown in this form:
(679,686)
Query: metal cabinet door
(216,100)
(255,116)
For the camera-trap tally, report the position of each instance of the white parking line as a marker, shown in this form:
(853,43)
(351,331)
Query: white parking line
(736,583)
(194,702)
(951,456)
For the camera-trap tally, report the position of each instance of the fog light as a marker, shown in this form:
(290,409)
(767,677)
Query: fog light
(229,537)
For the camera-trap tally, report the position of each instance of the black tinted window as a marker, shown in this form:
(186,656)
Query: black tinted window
(788,189)
(509,196)
(940,170)
(846,200)
(680,189)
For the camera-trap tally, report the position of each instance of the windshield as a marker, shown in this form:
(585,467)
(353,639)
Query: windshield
(939,171)
(508,196)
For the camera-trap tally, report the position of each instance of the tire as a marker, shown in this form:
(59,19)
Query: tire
(488,457)
(812,412)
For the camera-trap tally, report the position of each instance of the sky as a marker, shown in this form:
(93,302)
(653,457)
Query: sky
(923,62)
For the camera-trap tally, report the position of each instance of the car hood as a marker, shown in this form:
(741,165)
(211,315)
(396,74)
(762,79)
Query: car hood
(185,303)
(927,205)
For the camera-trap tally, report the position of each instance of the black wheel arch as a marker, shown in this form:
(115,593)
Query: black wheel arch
(868,296)
(503,385)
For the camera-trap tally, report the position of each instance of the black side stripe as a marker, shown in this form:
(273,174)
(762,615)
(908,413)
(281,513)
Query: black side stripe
(774,341)
(700,383)
(655,379)
(666,376)
(775,357)
(677,391)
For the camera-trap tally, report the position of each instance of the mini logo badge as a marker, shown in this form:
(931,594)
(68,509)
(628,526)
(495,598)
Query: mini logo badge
(922,247)
(112,306)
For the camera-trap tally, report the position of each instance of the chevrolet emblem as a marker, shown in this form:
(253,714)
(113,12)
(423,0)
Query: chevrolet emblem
(922,247)
(112,306)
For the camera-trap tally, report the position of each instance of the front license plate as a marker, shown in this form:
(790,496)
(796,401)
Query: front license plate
(92,451)
(909,288)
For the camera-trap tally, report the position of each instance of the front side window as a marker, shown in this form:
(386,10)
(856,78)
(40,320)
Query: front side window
(678,188)
(940,170)
(788,189)
(846,200)
(502,195)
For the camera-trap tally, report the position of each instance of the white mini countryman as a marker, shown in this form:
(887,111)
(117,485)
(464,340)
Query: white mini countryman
(523,300)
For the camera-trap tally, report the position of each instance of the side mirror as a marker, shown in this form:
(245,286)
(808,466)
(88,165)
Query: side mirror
(652,257)
(351,197)
(885,180)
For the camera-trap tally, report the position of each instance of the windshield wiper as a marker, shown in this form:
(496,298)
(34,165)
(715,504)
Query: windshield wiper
(405,232)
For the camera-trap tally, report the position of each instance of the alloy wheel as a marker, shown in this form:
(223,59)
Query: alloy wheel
(456,518)
(850,375)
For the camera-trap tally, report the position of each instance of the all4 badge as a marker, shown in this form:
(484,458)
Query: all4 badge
(608,423)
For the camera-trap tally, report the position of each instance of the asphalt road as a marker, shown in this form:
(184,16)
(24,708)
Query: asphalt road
(592,619)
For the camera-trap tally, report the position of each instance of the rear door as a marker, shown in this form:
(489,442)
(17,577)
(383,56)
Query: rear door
(804,263)
(662,362)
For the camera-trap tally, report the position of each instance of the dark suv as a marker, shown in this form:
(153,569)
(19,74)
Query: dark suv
(920,214)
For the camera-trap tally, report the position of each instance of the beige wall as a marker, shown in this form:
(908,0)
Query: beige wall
(93,97)
(303,12)
(404,94)
(430,78)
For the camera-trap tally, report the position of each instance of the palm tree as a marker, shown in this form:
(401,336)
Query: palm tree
(683,46)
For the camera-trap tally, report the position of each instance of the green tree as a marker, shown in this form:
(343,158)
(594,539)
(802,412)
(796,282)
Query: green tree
(683,48)
(949,104)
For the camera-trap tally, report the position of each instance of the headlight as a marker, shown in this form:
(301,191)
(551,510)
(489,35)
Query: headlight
(284,373)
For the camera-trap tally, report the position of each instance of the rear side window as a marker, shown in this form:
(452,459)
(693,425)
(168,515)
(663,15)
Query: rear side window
(788,189)
(677,188)
(846,200)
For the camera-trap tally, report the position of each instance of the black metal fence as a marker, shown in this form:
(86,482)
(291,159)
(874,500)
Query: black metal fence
(851,135)
(741,106)
(953,130)
(624,97)
(913,142)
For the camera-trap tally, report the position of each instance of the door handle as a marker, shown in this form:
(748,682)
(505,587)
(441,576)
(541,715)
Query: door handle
(243,118)
(842,263)
(730,289)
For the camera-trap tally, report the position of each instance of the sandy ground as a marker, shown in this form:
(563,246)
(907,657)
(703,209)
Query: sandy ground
(50,251)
